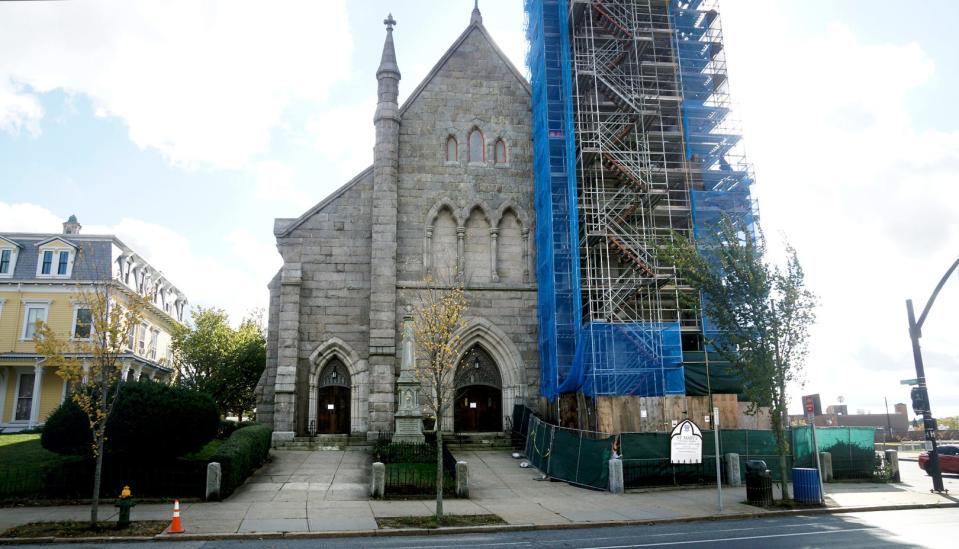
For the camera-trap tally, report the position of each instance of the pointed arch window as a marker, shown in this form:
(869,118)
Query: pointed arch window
(451,149)
(499,152)
(477,150)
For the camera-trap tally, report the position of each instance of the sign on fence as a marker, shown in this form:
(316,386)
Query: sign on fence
(686,443)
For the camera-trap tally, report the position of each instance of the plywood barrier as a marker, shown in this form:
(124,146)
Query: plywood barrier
(632,414)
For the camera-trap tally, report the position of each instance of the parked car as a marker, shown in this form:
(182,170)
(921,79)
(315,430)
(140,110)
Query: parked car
(948,459)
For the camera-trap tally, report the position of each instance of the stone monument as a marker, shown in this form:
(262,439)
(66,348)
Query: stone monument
(409,420)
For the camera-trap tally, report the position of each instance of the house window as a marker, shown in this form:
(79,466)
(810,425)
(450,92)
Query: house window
(33,317)
(47,262)
(154,334)
(451,149)
(476,152)
(500,152)
(131,338)
(82,324)
(5,263)
(24,397)
(62,263)
(142,340)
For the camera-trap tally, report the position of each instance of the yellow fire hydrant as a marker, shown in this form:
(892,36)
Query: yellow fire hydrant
(124,504)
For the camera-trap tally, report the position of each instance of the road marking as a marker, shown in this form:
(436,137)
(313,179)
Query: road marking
(741,538)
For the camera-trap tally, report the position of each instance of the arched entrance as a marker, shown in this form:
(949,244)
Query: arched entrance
(333,398)
(479,393)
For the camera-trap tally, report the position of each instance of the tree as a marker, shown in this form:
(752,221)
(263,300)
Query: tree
(92,366)
(437,321)
(211,357)
(760,313)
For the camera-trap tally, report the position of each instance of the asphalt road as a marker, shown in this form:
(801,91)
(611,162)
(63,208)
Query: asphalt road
(917,528)
(911,474)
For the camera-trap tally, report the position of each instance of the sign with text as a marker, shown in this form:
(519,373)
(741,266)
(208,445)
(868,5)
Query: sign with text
(686,443)
(811,405)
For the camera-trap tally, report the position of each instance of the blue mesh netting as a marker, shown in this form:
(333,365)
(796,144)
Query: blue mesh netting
(554,156)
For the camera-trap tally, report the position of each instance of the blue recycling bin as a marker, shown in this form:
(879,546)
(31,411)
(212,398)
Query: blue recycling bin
(806,485)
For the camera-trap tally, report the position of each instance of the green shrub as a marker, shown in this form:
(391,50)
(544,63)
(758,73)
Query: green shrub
(227,427)
(241,454)
(149,420)
(67,431)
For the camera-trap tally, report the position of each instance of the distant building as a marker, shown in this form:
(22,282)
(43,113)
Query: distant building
(837,409)
(41,276)
(901,409)
(837,416)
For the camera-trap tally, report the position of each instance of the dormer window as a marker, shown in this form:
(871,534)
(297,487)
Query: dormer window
(8,258)
(55,259)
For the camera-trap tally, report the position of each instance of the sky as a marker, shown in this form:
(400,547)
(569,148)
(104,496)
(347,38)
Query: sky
(187,127)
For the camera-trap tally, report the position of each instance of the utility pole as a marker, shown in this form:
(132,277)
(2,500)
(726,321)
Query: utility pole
(921,391)
(885,439)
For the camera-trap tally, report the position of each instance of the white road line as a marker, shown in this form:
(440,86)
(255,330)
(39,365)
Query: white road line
(742,538)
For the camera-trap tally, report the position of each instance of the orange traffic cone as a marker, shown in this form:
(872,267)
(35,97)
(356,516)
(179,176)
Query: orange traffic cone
(175,526)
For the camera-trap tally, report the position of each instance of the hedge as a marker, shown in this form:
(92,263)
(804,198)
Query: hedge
(241,454)
(150,421)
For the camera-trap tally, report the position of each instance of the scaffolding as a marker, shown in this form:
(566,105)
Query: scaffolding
(633,143)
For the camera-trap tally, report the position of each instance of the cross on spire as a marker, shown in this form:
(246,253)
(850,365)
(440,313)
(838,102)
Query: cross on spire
(389,22)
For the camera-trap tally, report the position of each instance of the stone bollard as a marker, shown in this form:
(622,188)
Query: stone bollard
(462,479)
(825,462)
(733,476)
(378,480)
(214,475)
(892,459)
(616,485)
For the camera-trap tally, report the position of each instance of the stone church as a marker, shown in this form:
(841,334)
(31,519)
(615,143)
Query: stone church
(450,190)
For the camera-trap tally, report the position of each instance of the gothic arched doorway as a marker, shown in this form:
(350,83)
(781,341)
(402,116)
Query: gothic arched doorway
(333,399)
(479,393)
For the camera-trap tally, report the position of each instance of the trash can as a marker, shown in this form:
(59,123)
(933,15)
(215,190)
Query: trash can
(759,483)
(806,485)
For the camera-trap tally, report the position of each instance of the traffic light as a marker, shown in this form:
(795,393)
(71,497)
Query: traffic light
(920,402)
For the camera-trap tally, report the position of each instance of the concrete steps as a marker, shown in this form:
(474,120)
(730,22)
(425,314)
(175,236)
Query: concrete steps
(326,442)
(478,441)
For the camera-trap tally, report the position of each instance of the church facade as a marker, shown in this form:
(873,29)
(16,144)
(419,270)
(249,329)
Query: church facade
(450,191)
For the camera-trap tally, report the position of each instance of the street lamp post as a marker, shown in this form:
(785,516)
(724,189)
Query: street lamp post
(928,423)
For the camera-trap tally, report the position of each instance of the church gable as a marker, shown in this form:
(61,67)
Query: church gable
(473,64)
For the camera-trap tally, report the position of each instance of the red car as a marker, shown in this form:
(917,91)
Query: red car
(948,459)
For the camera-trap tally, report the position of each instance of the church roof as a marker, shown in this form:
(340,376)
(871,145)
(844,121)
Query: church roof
(283,227)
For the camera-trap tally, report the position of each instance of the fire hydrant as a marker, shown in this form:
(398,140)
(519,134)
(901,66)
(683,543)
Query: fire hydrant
(124,504)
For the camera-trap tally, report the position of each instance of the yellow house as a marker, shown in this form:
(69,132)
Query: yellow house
(41,277)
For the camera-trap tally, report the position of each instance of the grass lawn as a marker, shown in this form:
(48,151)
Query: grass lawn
(22,465)
(430,521)
(77,529)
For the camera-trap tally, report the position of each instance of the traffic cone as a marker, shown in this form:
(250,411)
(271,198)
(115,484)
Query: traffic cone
(175,526)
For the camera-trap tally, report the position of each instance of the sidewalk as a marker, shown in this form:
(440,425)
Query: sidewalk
(300,491)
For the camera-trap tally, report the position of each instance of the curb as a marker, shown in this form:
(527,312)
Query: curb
(453,530)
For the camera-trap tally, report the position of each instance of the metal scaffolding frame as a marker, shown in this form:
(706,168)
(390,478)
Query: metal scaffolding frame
(653,150)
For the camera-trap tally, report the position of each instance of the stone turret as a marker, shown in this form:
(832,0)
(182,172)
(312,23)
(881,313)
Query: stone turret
(383,256)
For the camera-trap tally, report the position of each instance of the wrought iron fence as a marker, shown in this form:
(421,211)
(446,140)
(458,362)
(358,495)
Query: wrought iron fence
(73,479)
(411,469)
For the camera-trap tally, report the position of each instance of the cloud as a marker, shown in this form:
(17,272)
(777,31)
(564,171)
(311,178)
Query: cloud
(19,110)
(867,196)
(275,181)
(201,82)
(235,280)
(345,135)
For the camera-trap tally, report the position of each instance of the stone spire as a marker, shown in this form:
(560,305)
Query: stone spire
(71,225)
(476,16)
(382,351)
(388,61)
